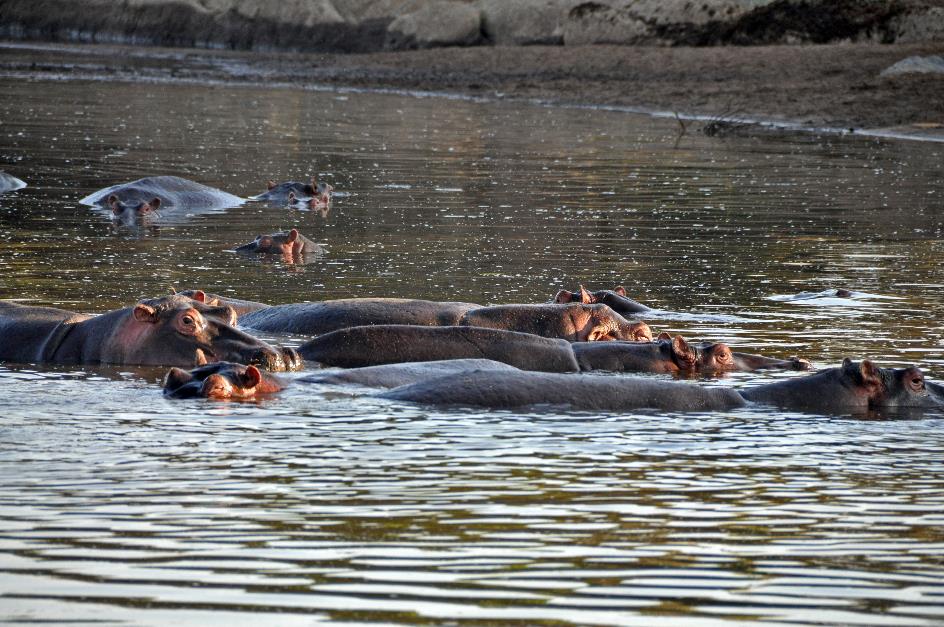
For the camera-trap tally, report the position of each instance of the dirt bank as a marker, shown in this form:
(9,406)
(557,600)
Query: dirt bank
(835,85)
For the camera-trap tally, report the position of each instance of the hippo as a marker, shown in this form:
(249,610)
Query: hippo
(510,390)
(168,331)
(293,247)
(331,315)
(854,387)
(360,346)
(129,202)
(675,356)
(616,299)
(293,191)
(9,183)
(221,380)
(575,322)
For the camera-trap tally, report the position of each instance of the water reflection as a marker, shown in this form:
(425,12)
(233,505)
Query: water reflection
(325,504)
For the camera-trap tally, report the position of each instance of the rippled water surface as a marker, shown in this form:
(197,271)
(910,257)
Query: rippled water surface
(325,504)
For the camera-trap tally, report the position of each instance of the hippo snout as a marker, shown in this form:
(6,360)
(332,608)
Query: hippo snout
(278,359)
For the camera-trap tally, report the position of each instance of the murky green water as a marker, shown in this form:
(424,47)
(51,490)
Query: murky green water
(119,506)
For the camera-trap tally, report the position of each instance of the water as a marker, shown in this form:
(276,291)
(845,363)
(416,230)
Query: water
(324,504)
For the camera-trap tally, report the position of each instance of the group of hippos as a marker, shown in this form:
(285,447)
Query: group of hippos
(422,351)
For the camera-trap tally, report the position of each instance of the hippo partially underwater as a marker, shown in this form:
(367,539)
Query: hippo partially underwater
(168,331)
(138,201)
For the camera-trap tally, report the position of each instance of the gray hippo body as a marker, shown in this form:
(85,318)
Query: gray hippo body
(357,347)
(853,388)
(9,183)
(396,375)
(331,315)
(512,390)
(174,195)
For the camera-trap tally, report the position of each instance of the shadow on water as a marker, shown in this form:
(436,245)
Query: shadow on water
(325,504)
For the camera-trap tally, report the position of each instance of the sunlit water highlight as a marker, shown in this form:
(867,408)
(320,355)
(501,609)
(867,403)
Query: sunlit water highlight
(325,504)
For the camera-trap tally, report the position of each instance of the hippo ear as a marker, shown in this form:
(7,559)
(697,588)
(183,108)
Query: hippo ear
(199,296)
(683,353)
(871,375)
(251,378)
(563,297)
(115,204)
(291,197)
(145,313)
(586,297)
(664,336)
(619,289)
(175,378)
(155,204)
(292,236)
(270,185)
(641,332)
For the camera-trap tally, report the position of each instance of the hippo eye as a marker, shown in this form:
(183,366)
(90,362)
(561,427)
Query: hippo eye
(917,383)
(188,320)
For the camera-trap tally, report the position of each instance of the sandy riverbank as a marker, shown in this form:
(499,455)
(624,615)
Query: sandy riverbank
(836,85)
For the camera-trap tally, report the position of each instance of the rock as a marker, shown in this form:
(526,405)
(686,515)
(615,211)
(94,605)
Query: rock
(916,65)
(919,26)
(524,22)
(437,23)
(662,22)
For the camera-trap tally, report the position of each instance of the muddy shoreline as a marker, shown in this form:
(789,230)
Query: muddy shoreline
(835,86)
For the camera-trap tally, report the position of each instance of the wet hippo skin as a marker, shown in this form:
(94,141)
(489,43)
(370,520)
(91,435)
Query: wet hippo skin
(383,344)
(331,315)
(172,331)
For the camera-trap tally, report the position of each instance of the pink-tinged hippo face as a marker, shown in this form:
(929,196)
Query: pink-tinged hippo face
(182,331)
(221,381)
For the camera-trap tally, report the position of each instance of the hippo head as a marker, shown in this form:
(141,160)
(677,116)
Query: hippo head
(854,386)
(220,380)
(718,357)
(319,195)
(616,299)
(291,243)
(178,330)
(131,213)
(606,324)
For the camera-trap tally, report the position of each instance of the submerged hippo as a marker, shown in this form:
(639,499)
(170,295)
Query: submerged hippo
(851,388)
(386,344)
(331,315)
(395,375)
(9,183)
(221,380)
(293,247)
(509,390)
(168,331)
(293,191)
(576,322)
(615,299)
(675,355)
(130,202)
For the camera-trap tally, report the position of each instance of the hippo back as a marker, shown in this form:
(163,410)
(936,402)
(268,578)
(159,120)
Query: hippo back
(174,192)
(331,315)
